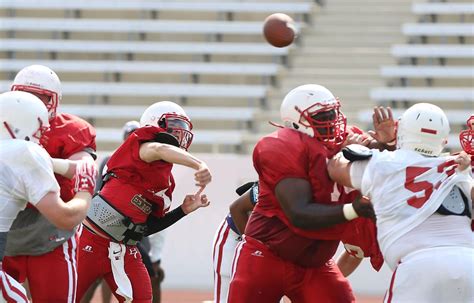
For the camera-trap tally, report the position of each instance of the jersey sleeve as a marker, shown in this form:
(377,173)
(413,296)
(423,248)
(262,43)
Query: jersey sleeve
(275,161)
(70,135)
(38,177)
(81,138)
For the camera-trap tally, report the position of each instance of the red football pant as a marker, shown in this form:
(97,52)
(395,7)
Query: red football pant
(52,277)
(259,276)
(94,263)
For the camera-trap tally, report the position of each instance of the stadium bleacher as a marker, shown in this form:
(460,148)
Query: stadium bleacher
(109,53)
(444,65)
(211,54)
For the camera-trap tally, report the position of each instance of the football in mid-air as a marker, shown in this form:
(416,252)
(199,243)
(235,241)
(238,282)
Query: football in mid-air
(279,30)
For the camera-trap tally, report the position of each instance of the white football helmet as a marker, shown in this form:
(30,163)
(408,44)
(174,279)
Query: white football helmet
(312,109)
(22,116)
(171,117)
(423,128)
(43,83)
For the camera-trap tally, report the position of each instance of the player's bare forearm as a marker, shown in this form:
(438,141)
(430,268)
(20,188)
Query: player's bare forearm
(239,210)
(77,208)
(348,263)
(240,220)
(154,151)
(64,215)
(295,198)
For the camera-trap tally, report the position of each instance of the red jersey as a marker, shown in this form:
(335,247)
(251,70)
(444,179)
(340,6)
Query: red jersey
(138,188)
(285,154)
(68,135)
(360,240)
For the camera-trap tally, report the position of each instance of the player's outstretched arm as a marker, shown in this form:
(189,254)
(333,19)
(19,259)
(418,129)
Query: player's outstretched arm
(154,151)
(68,215)
(347,263)
(384,131)
(295,198)
(67,167)
(190,204)
(64,215)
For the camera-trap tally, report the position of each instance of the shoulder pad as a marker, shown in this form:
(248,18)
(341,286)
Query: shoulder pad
(166,138)
(356,152)
(242,189)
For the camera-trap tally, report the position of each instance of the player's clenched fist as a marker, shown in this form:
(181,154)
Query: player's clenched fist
(85,176)
(364,208)
(463,160)
(203,175)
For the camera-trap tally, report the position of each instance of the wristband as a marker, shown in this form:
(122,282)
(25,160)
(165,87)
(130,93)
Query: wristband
(349,212)
(392,143)
(60,166)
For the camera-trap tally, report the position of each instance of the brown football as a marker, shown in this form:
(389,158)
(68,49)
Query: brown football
(279,30)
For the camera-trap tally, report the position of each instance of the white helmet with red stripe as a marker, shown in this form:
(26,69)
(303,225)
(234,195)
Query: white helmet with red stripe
(43,83)
(171,117)
(22,116)
(423,128)
(312,109)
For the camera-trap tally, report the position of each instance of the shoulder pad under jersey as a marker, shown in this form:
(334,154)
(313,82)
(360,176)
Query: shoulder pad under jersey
(242,189)
(356,152)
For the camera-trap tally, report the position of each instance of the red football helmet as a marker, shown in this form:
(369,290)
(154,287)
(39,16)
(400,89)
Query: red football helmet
(466,137)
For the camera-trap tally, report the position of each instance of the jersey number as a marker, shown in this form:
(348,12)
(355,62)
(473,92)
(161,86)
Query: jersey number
(412,172)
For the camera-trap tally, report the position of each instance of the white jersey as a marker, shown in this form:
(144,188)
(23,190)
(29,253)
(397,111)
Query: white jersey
(26,175)
(407,188)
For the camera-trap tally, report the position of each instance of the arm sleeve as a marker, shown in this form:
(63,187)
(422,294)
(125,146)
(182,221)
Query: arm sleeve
(155,224)
(39,177)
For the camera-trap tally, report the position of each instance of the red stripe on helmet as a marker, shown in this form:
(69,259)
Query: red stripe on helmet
(429,131)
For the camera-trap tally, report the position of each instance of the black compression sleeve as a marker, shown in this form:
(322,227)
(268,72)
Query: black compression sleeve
(155,224)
